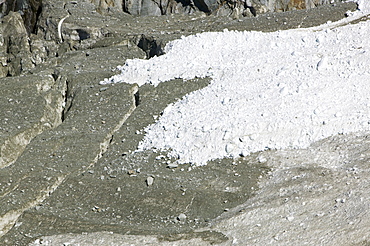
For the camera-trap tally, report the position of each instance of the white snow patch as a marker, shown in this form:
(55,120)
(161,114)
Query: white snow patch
(277,90)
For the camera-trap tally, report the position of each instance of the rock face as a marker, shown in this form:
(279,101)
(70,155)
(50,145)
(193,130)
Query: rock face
(30,105)
(29,10)
(227,7)
(15,49)
(67,160)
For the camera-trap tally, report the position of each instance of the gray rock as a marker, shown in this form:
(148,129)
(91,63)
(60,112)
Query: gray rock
(149,181)
(28,9)
(71,147)
(206,6)
(145,7)
(105,5)
(182,218)
(15,49)
(30,105)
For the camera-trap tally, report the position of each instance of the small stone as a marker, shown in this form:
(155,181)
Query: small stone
(118,189)
(150,181)
(172,165)
(321,214)
(181,218)
(262,159)
(290,218)
(97,209)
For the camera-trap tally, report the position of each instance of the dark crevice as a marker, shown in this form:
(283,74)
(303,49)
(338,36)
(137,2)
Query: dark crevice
(137,99)
(68,101)
(37,17)
(56,76)
(30,10)
(110,142)
(202,6)
(253,11)
(83,34)
(150,46)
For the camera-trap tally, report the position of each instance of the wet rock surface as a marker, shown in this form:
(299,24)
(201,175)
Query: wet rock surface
(68,165)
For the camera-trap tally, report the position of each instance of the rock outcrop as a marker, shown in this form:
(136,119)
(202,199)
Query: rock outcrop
(28,9)
(220,8)
(15,48)
(30,105)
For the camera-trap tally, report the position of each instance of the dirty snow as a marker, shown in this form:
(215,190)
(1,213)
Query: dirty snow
(285,89)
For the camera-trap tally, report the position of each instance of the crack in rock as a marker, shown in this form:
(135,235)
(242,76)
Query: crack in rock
(72,147)
(39,112)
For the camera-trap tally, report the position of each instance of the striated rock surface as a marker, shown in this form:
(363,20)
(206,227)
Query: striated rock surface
(30,105)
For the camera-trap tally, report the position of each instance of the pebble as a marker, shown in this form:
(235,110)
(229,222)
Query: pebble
(150,181)
(160,157)
(290,218)
(181,218)
(173,165)
(97,209)
(340,200)
(262,159)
